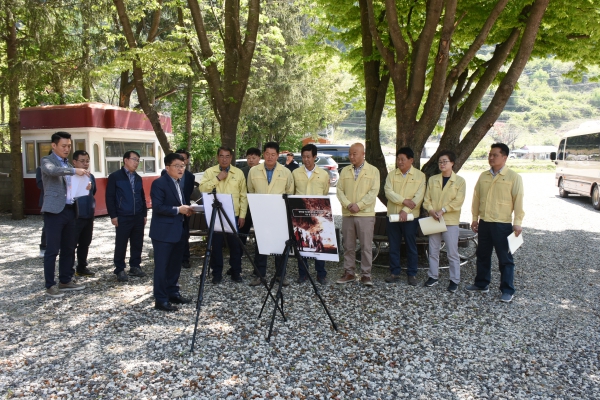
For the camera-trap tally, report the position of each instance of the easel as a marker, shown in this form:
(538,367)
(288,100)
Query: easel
(290,245)
(217,209)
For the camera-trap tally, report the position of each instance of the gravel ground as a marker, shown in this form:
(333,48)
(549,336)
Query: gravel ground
(394,341)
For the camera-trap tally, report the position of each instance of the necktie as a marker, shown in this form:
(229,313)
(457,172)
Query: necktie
(177,185)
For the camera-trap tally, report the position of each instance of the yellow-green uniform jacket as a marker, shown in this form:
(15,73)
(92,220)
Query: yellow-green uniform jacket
(362,191)
(234,184)
(281,182)
(495,198)
(451,197)
(398,188)
(317,184)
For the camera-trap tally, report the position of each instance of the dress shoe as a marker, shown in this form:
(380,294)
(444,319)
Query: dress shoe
(137,271)
(322,280)
(347,278)
(179,299)
(229,271)
(285,281)
(366,280)
(216,280)
(185,264)
(236,278)
(122,276)
(84,272)
(412,280)
(166,306)
(301,279)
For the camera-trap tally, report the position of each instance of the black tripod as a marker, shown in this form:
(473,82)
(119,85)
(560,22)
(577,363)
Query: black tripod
(217,209)
(290,245)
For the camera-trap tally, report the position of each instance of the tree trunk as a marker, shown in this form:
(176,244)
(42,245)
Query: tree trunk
(138,78)
(125,89)
(227,88)
(14,121)
(377,80)
(86,91)
(189,112)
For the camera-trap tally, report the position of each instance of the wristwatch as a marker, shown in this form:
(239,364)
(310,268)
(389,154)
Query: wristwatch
(443,210)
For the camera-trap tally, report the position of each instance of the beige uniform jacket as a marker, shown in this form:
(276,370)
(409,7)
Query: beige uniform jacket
(234,184)
(398,188)
(362,191)
(281,182)
(317,184)
(451,197)
(495,198)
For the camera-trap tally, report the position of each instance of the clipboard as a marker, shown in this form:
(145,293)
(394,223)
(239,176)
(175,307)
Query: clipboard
(430,226)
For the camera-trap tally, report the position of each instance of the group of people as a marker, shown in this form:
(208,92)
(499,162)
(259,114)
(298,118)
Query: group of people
(68,222)
(497,211)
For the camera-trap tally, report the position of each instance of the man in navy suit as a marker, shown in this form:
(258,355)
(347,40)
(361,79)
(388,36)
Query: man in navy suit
(84,224)
(169,233)
(187,183)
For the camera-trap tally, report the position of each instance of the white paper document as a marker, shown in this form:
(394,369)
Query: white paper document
(270,222)
(227,207)
(79,185)
(514,242)
(430,226)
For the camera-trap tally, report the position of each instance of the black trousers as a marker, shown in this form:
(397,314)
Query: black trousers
(130,230)
(43,238)
(244,230)
(60,232)
(84,228)
(167,268)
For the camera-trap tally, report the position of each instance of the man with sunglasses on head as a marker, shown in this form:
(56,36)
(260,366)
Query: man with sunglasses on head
(126,206)
(227,179)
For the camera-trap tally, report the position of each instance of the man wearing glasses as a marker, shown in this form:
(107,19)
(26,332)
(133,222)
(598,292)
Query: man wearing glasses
(126,205)
(187,184)
(229,180)
(168,231)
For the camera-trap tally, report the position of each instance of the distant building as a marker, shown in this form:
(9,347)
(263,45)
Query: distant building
(534,152)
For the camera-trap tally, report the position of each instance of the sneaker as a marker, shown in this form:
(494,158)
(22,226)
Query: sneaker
(285,281)
(301,279)
(122,276)
(136,271)
(347,278)
(473,288)
(366,280)
(42,253)
(185,264)
(54,292)
(255,282)
(506,298)
(322,280)
(452,287)
(84,272)
(431,282)
(392,278)
(216,280)
(412,280)
(70,286)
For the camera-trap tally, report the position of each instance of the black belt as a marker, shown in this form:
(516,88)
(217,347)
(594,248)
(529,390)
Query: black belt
(69,206)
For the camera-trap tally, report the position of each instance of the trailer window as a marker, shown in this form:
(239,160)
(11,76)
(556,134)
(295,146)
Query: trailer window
(114,151)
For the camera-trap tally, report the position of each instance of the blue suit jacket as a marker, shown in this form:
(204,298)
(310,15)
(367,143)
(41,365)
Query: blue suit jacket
(167,224)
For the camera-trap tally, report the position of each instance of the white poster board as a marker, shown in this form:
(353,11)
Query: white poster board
(270,222)
(227,202)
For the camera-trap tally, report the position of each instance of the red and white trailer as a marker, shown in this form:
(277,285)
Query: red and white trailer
(106,132)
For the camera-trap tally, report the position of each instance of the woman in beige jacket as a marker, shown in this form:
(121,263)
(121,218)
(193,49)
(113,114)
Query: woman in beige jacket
(444,197)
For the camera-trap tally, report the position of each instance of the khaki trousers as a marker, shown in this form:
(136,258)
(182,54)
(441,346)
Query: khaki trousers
(360,228)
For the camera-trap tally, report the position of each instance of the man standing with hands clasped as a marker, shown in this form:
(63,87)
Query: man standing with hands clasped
(357,192)
(59,215)
(498,193)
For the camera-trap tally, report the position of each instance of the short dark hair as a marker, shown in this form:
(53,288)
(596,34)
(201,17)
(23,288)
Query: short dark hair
(226,148)
(169,158)
(128,154)
(290,154)
(309,147)
(407,151)
(56,136)
(80,153)
(503,148)
(272,145)
(253,151)
(183,151)
(448,153)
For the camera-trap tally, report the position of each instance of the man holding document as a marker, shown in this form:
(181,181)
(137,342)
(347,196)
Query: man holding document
(443,200)
(498,193)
